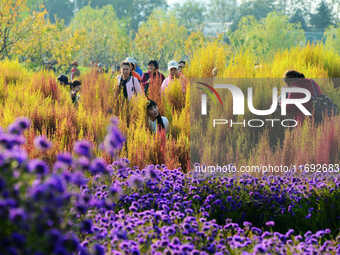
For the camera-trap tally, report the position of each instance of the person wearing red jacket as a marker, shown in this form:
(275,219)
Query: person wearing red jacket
(152,78)
(74,71)
(296,79)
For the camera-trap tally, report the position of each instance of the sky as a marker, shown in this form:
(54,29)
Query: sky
(170,2)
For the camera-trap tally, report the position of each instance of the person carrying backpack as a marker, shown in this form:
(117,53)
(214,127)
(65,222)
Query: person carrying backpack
(133,64)
(320,105)
(128,84)
(75,89)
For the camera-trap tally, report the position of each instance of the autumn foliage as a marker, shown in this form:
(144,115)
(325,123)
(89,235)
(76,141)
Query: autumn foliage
(38,96)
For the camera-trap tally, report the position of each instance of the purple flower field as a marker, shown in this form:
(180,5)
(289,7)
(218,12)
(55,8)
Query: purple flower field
(81,205)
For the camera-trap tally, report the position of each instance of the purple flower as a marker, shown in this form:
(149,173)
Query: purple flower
(270,223)
(38,166)
(116,190)
(82,163)
(14,129)
(17,214)
(23,122)
(81,208)
(114,121)
(54,236)
(113,141)
(18,239)
(171,230)
(41,143)
(67,175)
(121,234)
(98,165)
(71,242)
(65,158)
(187,248)
(152,173)
(259,248)
(9,141)
(19,126)
(135,251)
(135,181)
(247,224)
(86,226)
(83,251)
(256,230)
(98,249)
(59,166)
(16,154)
(79,179)
(56,183)
(83,148)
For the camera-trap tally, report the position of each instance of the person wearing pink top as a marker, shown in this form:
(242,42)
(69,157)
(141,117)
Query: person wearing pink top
(174,74)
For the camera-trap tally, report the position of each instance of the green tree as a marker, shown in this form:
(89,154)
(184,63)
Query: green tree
(60,9)
(191,14)
(221,10)
(299,18)
(258,9)
(323,17)
(14,25)
(105,40)
(267,36)
(333,38)
(132,12)
(34,4)
(160,38)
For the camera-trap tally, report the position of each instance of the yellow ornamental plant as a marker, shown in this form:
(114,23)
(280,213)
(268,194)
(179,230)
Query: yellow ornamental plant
(49,106)
(241,65)
(213,55)
(195,41)
(12,72)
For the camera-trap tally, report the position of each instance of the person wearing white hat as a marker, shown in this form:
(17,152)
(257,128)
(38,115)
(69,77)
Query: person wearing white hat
(133,64)
(173,74)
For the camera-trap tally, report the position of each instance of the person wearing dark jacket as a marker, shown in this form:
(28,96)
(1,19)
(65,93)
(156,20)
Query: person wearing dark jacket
(63,80)
(75,89)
